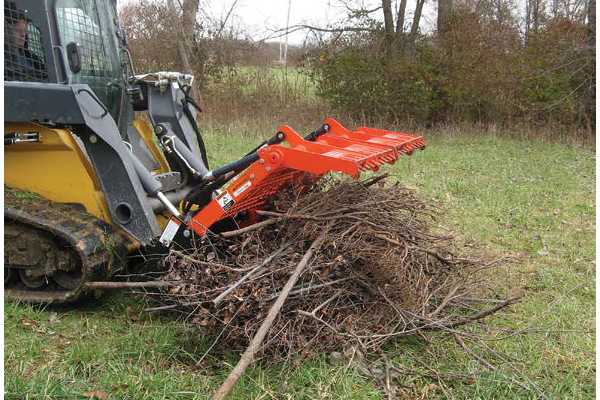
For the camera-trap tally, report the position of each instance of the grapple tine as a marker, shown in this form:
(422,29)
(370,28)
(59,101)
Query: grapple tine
(407,149)
(380,151)
(395,140)
(376,164)
(413,140)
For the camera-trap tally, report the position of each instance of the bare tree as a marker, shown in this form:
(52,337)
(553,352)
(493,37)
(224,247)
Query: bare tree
(533,15)
(414,29)
(388,20)
(393,34)
(186,35)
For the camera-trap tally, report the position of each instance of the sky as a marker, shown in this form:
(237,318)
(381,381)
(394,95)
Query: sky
(261,18)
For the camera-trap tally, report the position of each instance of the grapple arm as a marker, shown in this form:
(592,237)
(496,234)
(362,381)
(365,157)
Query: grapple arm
(302,163)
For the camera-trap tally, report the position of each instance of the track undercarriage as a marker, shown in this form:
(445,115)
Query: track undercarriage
(52,249)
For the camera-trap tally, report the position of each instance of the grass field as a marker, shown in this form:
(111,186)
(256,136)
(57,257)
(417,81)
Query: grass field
(500,196)
(283,80)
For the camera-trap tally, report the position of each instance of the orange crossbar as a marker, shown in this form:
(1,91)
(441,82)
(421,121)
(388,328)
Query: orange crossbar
(303,163)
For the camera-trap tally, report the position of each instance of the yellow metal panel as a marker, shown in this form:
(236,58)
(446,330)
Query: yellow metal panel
(57,169)
(147,134)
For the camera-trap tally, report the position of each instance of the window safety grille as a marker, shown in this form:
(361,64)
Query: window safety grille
(76,26)
(23,49)
(83,22)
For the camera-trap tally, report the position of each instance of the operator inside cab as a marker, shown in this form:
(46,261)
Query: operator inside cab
(20,63)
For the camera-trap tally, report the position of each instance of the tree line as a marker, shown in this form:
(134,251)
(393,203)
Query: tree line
(486,61)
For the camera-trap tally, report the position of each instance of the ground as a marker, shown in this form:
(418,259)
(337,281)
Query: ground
(529,198)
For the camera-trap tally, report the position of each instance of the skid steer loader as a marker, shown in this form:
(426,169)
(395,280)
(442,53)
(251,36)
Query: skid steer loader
(88,185)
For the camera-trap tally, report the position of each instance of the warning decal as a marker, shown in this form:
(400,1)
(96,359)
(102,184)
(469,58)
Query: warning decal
(225,201)
(170,231)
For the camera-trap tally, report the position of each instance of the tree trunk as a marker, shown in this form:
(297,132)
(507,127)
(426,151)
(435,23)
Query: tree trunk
(591,89)
(414,29)
(444,14)
(388,19)
(535,18)
(532,17)
(400,22)
(527,19)
(185,37)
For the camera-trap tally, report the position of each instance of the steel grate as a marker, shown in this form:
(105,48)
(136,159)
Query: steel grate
(89,24)
(77,26)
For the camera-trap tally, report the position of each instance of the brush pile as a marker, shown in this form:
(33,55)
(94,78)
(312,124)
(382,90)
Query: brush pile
(380,272)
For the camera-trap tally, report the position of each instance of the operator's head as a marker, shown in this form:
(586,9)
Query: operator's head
(19,32)
(15,23)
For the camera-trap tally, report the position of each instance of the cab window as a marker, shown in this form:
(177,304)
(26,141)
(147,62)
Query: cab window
(90,24)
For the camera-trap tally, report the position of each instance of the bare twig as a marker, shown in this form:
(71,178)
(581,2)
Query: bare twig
(484,313)
(471,353)
(253,271)
(307,289)
(161,308)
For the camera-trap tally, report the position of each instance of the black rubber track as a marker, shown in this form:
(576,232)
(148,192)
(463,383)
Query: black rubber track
(100,250)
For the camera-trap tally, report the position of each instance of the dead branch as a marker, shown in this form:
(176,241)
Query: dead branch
(471,353)
(129,285)
(248,357)
(383,271)
(307,289)
(250,228)
(484,313)
(161,308)
(374,179)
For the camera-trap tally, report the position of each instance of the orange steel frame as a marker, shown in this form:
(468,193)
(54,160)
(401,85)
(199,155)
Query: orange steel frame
(303,163)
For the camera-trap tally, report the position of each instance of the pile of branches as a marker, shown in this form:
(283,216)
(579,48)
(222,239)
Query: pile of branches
(378,270)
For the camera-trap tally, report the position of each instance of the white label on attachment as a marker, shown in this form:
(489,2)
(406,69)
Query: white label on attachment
(225,201)
(242,189)
(170,231)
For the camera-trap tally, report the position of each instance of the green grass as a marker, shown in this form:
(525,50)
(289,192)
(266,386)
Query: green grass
(500,196)
(283,80)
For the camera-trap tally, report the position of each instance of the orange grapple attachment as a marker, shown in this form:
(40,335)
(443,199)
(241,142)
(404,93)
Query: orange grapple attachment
(403,143)
(303,163)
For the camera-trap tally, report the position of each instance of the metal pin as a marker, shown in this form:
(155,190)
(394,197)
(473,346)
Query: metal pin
(167,203)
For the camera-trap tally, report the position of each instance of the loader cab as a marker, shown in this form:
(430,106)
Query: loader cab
(66,41)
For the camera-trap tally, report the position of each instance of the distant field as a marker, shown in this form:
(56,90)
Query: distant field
(261,98)
(291,80)
(500,196)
